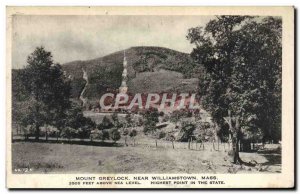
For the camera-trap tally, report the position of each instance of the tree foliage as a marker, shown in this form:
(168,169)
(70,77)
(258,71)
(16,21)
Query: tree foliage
(46,99)
(241,57)
(48,89)
(115,134)
(105,124)
(151,119)
(186,132)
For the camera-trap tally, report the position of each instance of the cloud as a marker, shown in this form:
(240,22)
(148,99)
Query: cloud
(72,38)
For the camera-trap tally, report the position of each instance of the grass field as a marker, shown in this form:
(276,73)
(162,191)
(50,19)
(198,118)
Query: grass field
(29,157)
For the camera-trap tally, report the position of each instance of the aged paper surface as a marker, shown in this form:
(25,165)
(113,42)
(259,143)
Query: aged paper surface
(150,97)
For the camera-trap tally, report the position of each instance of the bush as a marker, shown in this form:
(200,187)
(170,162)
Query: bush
(115,135)
(49,130)
(186,132)
(99,134)
(68,132)
(125,132)
(177,115)
(166,118)
(104,135)
(161,135)
(151,118)
(105,124)
(133,133)
(140,122)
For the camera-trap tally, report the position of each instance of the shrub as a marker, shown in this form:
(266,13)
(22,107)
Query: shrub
(151,118)
(186,132)
(115,135)
(68,133)
(161,135)
(133,133)
(105,124)
(99,134)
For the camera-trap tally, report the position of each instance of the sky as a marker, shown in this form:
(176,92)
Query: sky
(71,38)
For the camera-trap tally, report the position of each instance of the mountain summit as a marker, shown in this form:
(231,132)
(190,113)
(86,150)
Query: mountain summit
(150,69)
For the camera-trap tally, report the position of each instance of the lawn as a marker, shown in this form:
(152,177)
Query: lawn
(60,158)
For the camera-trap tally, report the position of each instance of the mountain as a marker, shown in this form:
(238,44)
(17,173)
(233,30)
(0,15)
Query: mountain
(150,69)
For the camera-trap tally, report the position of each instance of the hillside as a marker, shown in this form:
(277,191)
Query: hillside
(162,81)
(150,69)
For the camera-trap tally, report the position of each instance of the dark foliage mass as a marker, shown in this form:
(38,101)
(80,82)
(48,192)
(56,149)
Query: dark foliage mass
(241,86)
(151,119)
(41,100)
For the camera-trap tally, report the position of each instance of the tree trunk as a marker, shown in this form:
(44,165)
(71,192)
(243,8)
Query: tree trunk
(235,149)
(173,144)
(229,140)
(37,132)
(46,134)
(235,134)
(156,143)
(26,136)
(17,129)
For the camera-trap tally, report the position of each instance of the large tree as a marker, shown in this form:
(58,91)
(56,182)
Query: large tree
(48,89)
(241,83)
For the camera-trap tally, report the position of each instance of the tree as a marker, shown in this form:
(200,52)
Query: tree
(76,120)
(172,138)
(99,134)
(205,134)
(128,118)
(19,98)
(49,131)
(177,115)
(125,134)
(151,118)
(115,135)
(159,135)
(132,134)
(186,133)
(105,124)
(105,135)
(68,132)
(115,120)
(241,83)
(48,89)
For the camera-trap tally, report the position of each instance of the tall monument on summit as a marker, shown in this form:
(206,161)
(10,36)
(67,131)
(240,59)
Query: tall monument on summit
(123,88)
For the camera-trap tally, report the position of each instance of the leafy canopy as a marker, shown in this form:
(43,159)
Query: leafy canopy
(241,57)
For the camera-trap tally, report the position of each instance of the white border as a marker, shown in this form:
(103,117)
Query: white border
(108,2)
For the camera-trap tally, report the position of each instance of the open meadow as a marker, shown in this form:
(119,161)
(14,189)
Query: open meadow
(34,157)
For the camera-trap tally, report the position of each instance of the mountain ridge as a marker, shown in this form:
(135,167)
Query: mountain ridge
(158,67)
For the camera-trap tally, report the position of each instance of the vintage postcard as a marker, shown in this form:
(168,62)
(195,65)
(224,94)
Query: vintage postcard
(150,97)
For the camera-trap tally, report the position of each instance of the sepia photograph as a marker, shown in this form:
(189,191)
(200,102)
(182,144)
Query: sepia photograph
(165,98)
